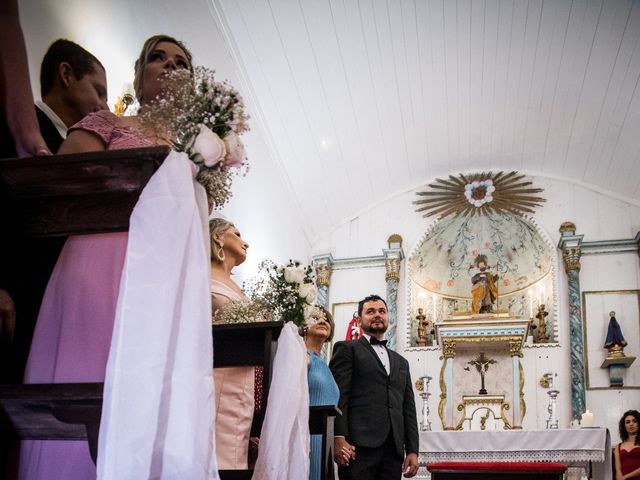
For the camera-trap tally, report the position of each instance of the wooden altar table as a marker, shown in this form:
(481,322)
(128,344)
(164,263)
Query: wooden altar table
(588,447)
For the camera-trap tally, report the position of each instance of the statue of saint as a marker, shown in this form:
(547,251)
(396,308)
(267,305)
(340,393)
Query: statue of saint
(484,287)
(615,341)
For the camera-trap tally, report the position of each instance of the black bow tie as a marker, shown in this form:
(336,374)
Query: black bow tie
(375,341)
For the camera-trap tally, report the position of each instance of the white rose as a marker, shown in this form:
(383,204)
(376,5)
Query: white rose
(209,147)
(294,274)
(235,150)
(308,292)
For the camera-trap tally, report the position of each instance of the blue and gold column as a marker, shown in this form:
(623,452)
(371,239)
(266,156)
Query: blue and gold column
(570,244)
(324,268)
(393,257)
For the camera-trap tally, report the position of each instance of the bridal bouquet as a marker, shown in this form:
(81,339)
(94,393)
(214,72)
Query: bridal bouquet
(275,293)
(205,118)
(289,291)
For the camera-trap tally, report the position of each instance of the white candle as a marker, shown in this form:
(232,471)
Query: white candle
(587,419)
(433,298)
(541,295)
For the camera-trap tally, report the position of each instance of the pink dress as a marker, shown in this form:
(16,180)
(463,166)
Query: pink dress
(235,400)
(73,333)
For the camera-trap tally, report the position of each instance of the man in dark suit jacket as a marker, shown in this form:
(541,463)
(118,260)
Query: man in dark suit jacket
(378,427)
(73,83)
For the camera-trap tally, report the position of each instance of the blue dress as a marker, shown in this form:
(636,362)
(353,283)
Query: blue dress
(323,390)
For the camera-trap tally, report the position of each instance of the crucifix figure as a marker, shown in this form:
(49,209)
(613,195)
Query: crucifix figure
(482,365)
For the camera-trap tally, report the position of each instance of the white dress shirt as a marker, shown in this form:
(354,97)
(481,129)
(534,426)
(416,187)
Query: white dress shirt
(53,116)
(382,354)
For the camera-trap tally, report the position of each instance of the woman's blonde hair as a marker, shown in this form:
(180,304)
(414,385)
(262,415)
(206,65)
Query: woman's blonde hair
(218,225)
(143,59)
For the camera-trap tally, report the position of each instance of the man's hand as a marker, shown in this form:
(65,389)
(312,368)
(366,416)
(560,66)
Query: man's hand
(7,317)
(343,451)
(410,465)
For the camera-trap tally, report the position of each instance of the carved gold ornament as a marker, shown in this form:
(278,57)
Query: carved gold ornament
(479,193)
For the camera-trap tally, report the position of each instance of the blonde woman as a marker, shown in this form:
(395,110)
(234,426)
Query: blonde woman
(235,386)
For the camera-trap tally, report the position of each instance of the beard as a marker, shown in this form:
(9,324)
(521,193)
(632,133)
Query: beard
(375,328)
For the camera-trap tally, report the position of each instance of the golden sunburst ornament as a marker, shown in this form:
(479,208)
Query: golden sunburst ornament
(479,193)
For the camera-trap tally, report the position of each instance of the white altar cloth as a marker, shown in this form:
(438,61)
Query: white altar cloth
(571,447)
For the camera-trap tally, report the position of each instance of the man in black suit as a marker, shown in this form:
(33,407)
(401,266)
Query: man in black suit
(378,427)
(73,83)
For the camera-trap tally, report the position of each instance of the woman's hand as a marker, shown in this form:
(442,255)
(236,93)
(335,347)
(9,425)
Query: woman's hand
(343,451)
(31,144)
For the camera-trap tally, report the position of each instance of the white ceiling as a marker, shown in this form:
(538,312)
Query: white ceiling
(365,99)
(359,100)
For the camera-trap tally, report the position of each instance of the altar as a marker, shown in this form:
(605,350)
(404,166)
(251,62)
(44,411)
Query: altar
(589,448)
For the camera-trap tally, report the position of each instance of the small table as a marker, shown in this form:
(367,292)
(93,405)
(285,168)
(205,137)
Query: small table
(589,447)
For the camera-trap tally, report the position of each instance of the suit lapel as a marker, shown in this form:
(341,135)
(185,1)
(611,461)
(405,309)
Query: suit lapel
(365,343)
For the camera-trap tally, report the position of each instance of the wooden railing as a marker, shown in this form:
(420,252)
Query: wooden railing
(91,193)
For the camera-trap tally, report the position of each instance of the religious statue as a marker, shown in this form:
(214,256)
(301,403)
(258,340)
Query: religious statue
(542,323)
(615,341)
(422,328)
(482,365)
(484,289)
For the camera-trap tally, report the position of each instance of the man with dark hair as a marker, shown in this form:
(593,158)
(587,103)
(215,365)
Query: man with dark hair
(378,428)
(73,83)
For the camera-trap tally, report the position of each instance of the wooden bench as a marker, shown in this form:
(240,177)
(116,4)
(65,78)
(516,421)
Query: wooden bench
(497,470)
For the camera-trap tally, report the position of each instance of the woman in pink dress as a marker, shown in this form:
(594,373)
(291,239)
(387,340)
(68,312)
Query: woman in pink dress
(235,386)
(73,333)
(627,452)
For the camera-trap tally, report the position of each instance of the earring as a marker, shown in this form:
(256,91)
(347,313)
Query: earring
(303,330)
(218,252)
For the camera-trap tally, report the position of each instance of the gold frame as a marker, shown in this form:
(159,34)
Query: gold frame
(585,333)
(503,416)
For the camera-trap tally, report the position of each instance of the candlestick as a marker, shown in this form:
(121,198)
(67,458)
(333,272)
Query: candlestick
(552,421)
(422,385)
(435,313)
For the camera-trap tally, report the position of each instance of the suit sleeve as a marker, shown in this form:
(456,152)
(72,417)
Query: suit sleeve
(411,439)
(341,366)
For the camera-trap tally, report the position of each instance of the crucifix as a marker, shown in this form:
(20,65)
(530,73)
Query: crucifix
(482,365)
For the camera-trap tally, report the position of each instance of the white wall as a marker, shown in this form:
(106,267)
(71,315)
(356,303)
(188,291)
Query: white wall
(114,31)
(598,216)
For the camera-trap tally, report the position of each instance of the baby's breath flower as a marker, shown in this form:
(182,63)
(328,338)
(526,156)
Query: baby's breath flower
(186,104)
(282,296)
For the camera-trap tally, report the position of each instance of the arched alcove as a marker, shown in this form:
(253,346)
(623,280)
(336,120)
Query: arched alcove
(440,267)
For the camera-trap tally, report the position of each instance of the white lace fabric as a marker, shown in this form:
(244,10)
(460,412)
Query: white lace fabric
(565,446)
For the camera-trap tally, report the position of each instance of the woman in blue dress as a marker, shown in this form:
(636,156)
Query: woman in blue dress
(322,387)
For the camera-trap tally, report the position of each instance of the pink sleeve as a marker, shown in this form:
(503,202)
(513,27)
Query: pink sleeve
(99,123)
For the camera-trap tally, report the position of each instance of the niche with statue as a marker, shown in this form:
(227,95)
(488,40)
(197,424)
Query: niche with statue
(467,266)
